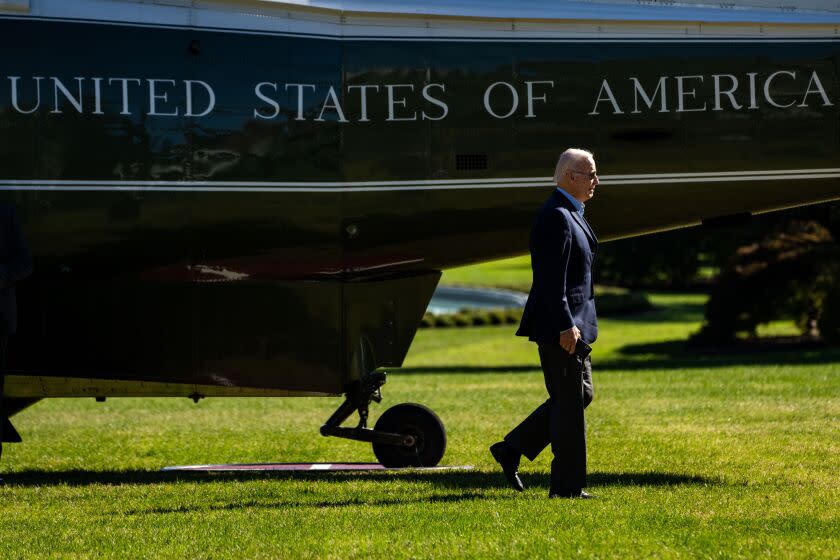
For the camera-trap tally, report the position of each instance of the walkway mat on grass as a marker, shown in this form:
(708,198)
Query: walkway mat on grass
(259,467)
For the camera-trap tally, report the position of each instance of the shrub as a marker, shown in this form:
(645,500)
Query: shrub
(513,316)
(496,316)
(788,274)
(462,319)
(829,322)
(480,318)
(444,320)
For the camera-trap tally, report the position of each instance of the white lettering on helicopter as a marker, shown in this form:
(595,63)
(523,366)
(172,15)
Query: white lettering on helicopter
(728,92)
(408,102)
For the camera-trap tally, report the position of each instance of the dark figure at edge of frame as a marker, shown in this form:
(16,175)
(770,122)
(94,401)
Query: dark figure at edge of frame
(15,265)
(560,311)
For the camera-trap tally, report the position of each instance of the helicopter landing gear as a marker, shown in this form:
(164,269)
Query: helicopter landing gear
(406,435)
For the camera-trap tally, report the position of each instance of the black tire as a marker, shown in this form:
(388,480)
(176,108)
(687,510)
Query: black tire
(415,420)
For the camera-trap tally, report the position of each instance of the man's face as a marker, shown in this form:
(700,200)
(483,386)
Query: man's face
(583,178)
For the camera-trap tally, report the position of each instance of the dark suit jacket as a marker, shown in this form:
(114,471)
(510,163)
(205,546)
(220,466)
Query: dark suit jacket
(563,247)
(15,265)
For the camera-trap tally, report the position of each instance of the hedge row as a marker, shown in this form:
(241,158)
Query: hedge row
(472,318)
(608,304)
(622,303)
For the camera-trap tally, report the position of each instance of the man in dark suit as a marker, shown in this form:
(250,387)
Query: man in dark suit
(15,265)
(560,311)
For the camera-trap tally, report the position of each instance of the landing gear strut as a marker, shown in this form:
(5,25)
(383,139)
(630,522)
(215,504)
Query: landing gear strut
(406,435)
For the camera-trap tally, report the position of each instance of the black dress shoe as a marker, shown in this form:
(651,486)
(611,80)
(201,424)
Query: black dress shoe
(571,494)
(509,461)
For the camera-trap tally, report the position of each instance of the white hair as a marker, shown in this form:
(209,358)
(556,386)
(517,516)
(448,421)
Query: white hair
(568,158)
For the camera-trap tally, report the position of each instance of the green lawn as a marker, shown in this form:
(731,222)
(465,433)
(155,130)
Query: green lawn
(513,274)
(692,456)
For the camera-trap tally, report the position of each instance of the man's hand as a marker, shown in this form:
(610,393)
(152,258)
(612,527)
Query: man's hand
(569,338)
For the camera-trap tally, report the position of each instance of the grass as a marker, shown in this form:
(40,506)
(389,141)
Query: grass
(515,274)
(691,455)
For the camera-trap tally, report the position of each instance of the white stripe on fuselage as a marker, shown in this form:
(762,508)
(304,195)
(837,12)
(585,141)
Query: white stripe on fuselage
(421,185)
(590,24)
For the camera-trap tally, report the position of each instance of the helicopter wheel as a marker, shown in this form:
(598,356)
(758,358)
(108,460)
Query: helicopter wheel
(420,423)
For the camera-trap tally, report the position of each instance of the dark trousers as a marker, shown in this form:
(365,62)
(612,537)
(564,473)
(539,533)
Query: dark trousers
(559,420)
(3,342)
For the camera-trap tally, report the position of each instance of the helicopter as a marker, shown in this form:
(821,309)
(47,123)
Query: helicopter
(257,198)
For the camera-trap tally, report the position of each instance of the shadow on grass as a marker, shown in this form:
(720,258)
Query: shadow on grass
(670,313)
(669,355)
(372,500)
(518,368)
(465,483)
(676,354)
(460,480)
